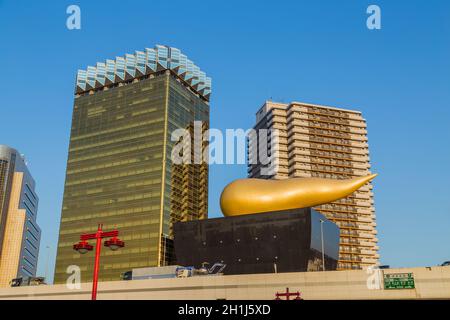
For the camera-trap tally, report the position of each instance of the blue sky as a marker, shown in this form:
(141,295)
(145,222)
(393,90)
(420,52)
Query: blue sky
(313,51)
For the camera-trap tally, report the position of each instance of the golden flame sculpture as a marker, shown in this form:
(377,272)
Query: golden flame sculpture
(247,196)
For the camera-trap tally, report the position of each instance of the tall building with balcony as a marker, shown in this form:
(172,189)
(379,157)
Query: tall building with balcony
(20,234)
(307,140)
(119,169)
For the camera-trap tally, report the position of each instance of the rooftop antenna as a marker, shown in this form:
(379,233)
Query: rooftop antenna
(268,94)
(24,159)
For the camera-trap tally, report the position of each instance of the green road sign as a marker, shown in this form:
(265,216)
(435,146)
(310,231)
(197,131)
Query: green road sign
(399,281)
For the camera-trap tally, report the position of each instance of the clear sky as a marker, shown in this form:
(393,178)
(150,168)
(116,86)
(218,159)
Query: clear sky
(312,51)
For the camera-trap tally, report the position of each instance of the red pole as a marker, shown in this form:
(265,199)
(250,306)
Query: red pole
(98,248)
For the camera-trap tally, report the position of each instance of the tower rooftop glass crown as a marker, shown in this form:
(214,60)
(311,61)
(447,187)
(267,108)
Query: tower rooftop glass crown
(140,64)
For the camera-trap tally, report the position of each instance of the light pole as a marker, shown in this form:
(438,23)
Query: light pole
(83,247)
(46,262)
(323,249)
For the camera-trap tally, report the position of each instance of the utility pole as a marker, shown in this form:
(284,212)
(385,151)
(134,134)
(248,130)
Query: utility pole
(323,247)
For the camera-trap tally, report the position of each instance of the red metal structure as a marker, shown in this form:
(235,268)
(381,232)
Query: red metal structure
(83,247)
(288,294)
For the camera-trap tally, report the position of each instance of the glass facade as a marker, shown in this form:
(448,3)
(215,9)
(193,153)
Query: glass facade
(120,173)
(3,181)
(141,63)
(4,197)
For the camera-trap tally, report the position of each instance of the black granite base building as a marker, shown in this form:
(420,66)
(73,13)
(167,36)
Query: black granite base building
(284,241)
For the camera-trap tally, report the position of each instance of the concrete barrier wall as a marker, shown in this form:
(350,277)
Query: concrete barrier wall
(430,283)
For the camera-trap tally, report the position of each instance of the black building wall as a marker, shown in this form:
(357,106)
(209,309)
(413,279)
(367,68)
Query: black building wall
(287,241)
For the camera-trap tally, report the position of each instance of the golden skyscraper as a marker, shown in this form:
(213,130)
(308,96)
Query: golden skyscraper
(119,169)
(307,140)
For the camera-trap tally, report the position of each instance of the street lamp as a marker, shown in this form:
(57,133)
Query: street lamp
(114,244)
(323,249)
(84,247)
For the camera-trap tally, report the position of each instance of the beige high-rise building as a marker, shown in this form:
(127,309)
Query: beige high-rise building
(19,233)
(307,140)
